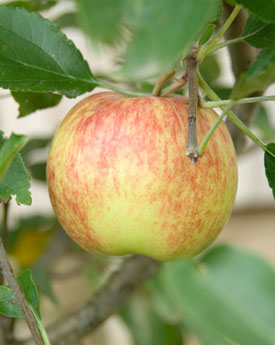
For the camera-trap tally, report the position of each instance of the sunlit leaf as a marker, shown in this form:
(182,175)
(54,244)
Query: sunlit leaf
(15,179)
(35,56)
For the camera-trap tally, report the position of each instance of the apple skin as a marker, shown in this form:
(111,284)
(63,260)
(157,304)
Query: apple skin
(120,182)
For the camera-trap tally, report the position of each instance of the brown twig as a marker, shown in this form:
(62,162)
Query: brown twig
(161,81)
(174,86)
(20,298)
(71,328)
(192,150)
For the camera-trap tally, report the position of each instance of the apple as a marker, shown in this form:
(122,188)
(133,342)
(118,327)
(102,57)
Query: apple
(120,182)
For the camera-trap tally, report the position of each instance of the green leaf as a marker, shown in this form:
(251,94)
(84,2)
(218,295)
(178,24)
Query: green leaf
(262,35)
(101,19)
(29,289)
(262,9)
(68,19)
(146,326)
(38,171)
(207,33)
(165,30)
(260,75)
(263,123)
(269,163)
(227,297)
(33,5)
(222,91)
(35,56)
(8,304)
(16,180)
(8,150)
(29,102)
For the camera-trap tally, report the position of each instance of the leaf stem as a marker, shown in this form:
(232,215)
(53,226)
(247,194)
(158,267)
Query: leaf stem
(192,150)
(213,128)
(20,298)
(106,85)
(209,46)
(214,104)
(232,41)
(40,326)
(161,81)
(212,95)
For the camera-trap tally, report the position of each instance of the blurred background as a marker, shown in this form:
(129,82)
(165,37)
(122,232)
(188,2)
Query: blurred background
(251,226)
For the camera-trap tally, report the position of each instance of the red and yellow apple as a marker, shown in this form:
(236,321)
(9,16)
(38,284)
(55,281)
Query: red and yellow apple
(120,182)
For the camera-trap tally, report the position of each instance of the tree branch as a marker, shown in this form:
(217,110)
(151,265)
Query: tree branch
(72,327)
(241,55)
(20,298)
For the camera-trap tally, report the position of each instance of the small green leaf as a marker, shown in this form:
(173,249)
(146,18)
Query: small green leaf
(8,304)
(68,19)
(29,102)
(8,150)
(164,32)
(16,180)
(261,34)
(260,75)
(228,296)
(262,9)
(29,289)
(207,33)
(33,5)
(146,326)
(269,163)
(35,56)
(38,171)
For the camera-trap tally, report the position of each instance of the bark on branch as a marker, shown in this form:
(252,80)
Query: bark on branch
(107,301)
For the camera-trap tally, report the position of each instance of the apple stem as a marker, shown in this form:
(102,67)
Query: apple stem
(161,81)
(214,104)
(192,150)
(234,118)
